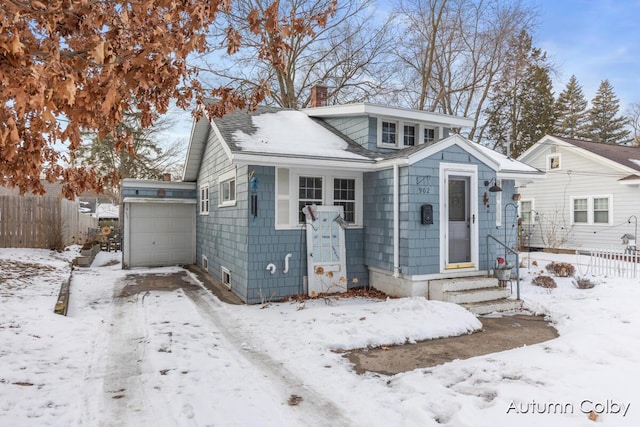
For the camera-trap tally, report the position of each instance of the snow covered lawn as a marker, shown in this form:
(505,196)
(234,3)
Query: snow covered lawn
(181,357)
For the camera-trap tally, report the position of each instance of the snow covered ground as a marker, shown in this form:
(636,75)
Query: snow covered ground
(181,357)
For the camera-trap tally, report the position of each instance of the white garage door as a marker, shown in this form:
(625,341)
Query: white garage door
(160,234)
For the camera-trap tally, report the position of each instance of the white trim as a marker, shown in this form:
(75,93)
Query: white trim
(471,171)
(364,165)
(368,109)
(149,183)
(499,204)
(152,200)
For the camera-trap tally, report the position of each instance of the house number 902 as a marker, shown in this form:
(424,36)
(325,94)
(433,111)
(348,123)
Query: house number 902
(423,190)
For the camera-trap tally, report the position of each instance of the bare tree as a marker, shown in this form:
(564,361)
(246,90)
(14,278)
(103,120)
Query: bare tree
(633,116)
(346,54)
(451,52)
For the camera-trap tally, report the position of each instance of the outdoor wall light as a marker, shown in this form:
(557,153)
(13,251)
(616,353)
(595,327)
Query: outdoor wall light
(494,188)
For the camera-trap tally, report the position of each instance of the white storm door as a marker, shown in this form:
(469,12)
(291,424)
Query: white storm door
(326,260)
(458,217)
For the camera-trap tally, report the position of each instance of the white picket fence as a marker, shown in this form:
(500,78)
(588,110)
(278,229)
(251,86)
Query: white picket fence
(615,263)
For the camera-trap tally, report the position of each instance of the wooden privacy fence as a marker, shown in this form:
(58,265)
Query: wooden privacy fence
(42,222)
(615,263)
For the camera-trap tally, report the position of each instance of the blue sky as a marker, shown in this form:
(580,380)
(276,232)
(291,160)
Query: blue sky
(595,40)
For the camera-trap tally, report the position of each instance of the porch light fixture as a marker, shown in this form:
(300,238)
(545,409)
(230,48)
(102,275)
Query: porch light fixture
(494,188)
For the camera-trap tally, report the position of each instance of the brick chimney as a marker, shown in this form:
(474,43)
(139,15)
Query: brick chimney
(318,95)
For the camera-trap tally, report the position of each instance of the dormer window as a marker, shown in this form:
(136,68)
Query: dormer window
(429,135)
(389,132)
(400,134)
(409,135)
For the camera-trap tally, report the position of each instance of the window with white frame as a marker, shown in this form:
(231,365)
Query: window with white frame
(204,199)
(227,189)
(309,193)
(429,135)
(409,135)
(553,162)
(225,276)
(601,210)
(344,194)
(296,188)
(389,132)
(526,206)
(580,208)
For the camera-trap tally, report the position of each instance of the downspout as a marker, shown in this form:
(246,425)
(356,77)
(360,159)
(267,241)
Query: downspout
(396,222)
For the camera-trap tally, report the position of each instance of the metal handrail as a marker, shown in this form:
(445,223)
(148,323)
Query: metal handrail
(489,236)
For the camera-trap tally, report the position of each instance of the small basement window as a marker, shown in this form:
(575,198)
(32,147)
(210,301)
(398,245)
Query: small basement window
(226,277)
(205,263)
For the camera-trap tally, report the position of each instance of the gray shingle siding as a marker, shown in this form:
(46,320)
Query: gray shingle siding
(356,128)
(419,244)
(221,235)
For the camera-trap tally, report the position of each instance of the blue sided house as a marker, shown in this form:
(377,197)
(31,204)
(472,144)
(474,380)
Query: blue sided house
(333,197)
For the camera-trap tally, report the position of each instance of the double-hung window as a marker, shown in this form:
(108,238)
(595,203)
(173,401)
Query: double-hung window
(409,135)
(581,210)
(601,210)
(227,189)
(344,194)
(429,135)
(389,132)
(309,193)
(204,199)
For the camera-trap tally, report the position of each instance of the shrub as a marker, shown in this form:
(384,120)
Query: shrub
(544,282)
(561,269)
(584,283)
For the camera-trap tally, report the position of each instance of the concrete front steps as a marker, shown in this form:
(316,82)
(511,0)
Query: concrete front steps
(478,294)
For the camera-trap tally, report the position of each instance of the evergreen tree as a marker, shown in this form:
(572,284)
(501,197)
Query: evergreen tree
(520,108)
(604,123)
(571,111)
(538,112)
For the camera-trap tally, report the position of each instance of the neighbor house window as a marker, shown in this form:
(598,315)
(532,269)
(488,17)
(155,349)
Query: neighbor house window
(429,135)
(389,132)
(344,194)
(526,206)
(601,210)
(204,199)
(553,162)
(580,211)
(409,135)
(227,188)
(309,193)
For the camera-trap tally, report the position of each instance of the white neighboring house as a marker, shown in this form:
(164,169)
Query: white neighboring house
(106,211)
(589,200)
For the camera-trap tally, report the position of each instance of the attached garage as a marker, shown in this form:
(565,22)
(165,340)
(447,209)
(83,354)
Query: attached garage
(159,223)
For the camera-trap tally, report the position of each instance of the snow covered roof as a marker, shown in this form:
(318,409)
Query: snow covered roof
(107,211)
(292,133)
(280,137)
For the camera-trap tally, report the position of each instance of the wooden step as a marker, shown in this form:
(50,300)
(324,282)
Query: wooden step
(437,288)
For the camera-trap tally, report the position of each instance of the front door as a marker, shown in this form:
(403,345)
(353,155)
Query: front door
(459,222)
(458,217)
(326,260)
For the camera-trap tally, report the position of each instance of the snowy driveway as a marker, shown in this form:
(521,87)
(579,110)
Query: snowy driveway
(170,359)
(126,355)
